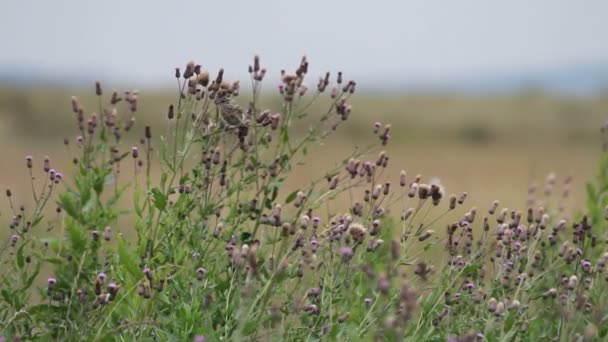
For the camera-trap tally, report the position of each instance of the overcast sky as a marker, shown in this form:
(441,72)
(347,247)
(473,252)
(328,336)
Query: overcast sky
(373,39)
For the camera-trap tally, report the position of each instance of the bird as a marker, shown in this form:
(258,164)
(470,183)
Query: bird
(230,112)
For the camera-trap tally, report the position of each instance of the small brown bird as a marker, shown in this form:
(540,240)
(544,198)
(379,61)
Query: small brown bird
(230,112)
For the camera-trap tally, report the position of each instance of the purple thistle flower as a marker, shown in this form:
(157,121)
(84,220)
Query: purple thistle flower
(315,221)
(346,253)
(107,233)
(51,281)
(200,273)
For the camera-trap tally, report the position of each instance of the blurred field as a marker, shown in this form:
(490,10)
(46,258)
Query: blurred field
(491,147)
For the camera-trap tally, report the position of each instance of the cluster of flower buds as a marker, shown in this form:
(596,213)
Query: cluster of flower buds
(292,84)
(256,71)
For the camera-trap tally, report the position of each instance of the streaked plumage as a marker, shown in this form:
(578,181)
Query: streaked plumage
(230,112)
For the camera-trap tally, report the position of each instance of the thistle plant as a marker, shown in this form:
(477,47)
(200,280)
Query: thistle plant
(192,233)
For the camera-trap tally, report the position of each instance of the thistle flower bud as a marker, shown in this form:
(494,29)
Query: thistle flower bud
(170,112)
(107,233)
(112,291)
(98,88)
(148,273)
(493,208)
(358,232)
(572,282)
(423,191)
(383,284)
(315,221)
(333,183)
(492,303)
(413,190)
(462,197)
(500,308)
(346,253)
(514,304)
(552,292)
(425,235)
(200,273)
(46,166)
(134,152)
(374,244)
(436,194)
(452,202)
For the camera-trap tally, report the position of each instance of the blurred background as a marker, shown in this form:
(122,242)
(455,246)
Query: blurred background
(488,97)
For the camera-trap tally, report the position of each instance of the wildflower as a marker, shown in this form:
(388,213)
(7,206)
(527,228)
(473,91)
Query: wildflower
(514,304)
(357,231)
(200,273)
(14,239)
(311,309)
(552,292)
(452,202)
(492,304)
(586,265)
(383,284)
(402,181)
(315,221)
(374,244)
(107,233)
(493,208)
(572,282)
(462,197)
(46,166)
(148,273)
(51,283)
(112,290)
(425,235)
(346,253)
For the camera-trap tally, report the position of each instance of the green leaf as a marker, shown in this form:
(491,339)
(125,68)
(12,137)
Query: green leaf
(159,199)
(138,209)
(127,260)
(77,237)
(291,197)
(66,203)
(20,259)
(30,280)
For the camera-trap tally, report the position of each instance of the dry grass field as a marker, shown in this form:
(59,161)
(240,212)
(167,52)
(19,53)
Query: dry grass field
(480,144)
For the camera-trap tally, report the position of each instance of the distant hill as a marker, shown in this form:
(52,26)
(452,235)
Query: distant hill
(577,80)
